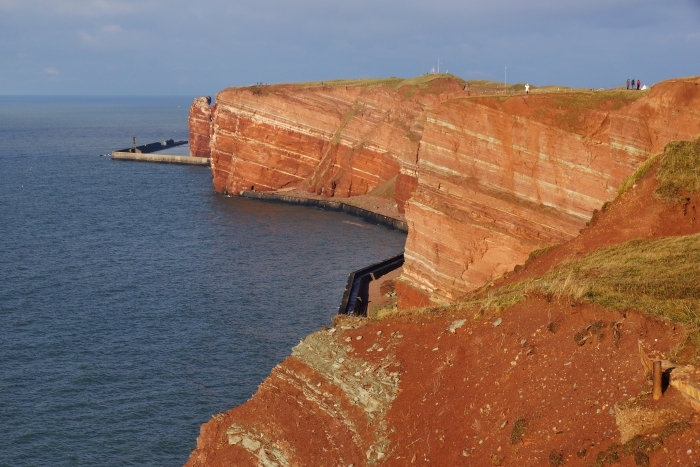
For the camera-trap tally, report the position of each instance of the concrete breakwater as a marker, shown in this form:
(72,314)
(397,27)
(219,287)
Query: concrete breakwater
(153,147)
(331,205)
(144,153)
(163,158)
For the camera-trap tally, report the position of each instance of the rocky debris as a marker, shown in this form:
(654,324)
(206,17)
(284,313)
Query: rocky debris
(456,325)
(633,420)
(257,444)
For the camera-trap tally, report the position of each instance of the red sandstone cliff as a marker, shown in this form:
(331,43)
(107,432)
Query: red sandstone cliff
(200,127)
(499,178)
(489,178)
(333,139)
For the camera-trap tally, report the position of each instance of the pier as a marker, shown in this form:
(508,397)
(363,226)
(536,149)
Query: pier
(151,153)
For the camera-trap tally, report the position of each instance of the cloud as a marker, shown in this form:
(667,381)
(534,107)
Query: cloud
(51,71)
(217,43)
(112,28)
(79,8)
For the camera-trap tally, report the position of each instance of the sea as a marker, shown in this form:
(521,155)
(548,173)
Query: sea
(135,302)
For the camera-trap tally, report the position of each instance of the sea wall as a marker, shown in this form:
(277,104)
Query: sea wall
(501,177)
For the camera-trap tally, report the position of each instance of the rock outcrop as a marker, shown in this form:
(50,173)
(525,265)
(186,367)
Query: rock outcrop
(501,177)
(337,139)
(200,127)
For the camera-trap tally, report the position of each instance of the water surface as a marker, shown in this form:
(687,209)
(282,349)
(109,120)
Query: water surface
(135,302)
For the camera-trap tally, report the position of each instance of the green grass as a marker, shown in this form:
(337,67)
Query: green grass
(679,165)
(420,82)
(678,171)
(657,277)
(637,175)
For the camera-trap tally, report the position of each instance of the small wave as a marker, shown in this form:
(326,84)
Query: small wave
(355,223)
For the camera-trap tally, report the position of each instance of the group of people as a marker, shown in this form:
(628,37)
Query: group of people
(632,83)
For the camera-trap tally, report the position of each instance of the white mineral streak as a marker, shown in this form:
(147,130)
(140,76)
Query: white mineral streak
(267,452)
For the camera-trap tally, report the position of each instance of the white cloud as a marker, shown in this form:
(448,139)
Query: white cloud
(51,71)
(77,8)
(112,28)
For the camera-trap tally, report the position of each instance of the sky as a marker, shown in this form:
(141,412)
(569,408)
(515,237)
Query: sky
(182,47)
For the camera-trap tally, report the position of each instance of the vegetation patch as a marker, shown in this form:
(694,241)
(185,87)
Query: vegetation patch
(518,432)
(658,277)
(421,82)
(679,165)
(678,171)
(637,175)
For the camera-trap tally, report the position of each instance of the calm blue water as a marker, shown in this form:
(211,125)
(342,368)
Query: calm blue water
(135,302)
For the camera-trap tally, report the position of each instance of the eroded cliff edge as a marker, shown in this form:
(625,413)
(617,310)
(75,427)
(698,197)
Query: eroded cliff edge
(483,180)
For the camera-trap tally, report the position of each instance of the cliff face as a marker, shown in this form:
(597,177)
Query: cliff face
(484,180)
(331,139)
(499,178)
(200,127)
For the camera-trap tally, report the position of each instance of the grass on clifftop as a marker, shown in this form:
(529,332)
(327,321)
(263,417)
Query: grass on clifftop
(658,277)
(421,82)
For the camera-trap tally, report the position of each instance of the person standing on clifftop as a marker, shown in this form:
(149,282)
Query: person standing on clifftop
(628,83)
(527,88)
(639,83)
(632,84)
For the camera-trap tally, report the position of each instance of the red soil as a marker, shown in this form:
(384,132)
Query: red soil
(515,389)
(634,215)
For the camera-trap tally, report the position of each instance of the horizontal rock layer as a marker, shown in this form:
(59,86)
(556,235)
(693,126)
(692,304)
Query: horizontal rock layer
(485,180)
(498,178)
(333,140)
(200,127)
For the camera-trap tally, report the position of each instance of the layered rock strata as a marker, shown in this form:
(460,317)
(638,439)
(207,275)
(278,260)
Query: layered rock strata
(484,180)
(200,127)
(330,139)
(499,178)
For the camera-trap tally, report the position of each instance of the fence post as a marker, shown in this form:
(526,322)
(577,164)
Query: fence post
(656,391)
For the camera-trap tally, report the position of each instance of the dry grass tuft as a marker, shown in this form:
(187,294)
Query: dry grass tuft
(678,172)
(658,277)
(679,165)
(637,175)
